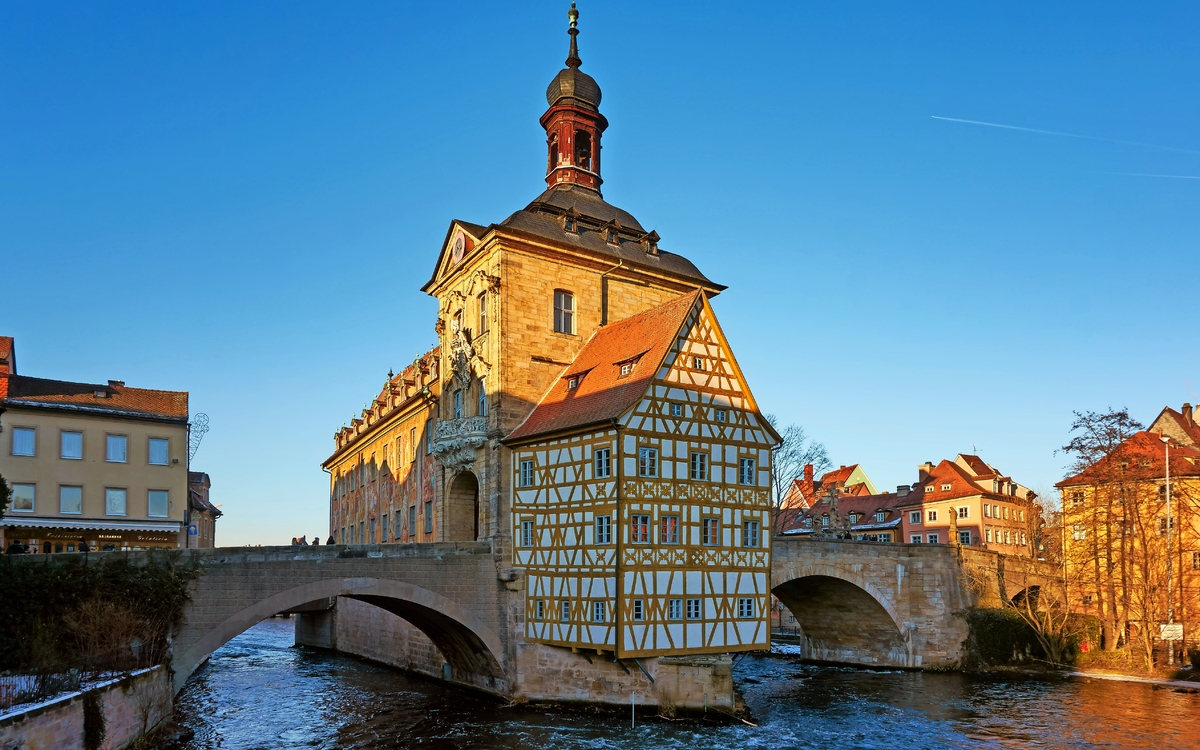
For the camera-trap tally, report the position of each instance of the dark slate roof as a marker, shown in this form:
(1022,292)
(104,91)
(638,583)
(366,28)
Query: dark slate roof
(542,219)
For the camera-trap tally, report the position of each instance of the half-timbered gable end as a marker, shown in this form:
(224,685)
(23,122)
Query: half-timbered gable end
(641,507)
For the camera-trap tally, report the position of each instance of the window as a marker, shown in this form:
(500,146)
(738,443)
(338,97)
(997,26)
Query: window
(158,451)
(157,503)
(853,518)
(914,539)
(1022,515)
(697,363)
(808,521)
(946,487)
(710,531)
(70,499)
(963,512)
(931,515)
(1006,513)
(1024,539)
(1162,525)
(481,405)
(721,415)
(746,471)
(572,383)
(964,537)
(526,479)
(483,319)
(458,404)
(639,529)
(383,529)
(428,436)
(599,610)
(750,534)
(540,612)
(745,607)
(71,445)
(1076,498)
(880,515)
(676,410)
(372,531)
(647,462)
(825,521)
(602,459)
(914,516)
(693,609)
(412,443)
(930,488)
(22,497)
(564,311)
(675,608)
(1078,532)
(626,368)
(987,535)
(564,611)
(603,529)
(527,533)
(639,610)
(429,517)
(1196,561)
(114,502)
(699,466)
(583,149)
(1007,537)
(610,236)
(987,510)
(933,538)
(668,527)
(115,448)
(23,441)
(412,520)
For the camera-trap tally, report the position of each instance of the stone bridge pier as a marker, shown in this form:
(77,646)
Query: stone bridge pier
(888,605)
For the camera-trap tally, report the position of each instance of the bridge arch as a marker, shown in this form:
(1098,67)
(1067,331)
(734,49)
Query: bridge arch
(844,617)
(470,647)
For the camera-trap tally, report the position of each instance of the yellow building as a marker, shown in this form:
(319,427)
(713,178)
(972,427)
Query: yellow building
(105,465)
(523,304)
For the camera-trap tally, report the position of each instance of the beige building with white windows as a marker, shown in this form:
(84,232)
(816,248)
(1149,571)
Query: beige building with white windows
(101,464)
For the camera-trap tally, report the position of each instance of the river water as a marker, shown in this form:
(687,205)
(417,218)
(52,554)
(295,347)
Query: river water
(258,691)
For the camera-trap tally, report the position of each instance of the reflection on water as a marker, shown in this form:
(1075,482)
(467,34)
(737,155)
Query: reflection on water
(259,692)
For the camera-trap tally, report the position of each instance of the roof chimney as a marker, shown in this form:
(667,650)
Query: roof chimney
(924,470)
(808,473)
(116,384)
(1189,416)
(902,490)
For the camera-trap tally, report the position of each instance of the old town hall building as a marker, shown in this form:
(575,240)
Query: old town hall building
(585,413)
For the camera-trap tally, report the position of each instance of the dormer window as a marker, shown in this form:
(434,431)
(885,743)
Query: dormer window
(626,368)
(880,515)
(568,224)
(610,236)
(946,487)
(572,383)
(853,518)
(697,363)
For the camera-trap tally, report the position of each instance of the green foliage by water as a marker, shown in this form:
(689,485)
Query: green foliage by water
(1002,637)
(62,612)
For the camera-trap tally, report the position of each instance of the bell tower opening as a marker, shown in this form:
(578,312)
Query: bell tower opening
(573,123)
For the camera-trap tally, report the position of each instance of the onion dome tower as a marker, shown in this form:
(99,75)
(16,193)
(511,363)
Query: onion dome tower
(573,123)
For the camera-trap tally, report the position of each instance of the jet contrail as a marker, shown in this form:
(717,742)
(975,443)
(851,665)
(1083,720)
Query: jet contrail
(1064,135)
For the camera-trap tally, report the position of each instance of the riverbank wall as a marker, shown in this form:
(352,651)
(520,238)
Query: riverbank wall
(121,711)
(535,672)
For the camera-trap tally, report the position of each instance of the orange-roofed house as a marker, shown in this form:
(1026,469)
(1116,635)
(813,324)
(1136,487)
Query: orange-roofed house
(101,465)
(805,491)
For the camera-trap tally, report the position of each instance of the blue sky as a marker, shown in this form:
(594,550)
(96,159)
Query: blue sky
(242,200)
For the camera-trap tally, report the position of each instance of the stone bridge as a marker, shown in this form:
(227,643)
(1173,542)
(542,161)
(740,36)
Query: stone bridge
(896,605)
(447,591)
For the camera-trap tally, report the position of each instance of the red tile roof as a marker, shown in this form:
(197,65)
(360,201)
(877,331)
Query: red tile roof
(1143,455)
(1190,427)
(117,398)
(602,394)
(7,366)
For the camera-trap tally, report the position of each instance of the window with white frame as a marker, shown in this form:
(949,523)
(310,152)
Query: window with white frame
(964,537)
(676,410)
(808,522)
(481,402)
(668,531)
(946,487)
(159,451)
(602,461)
(603,529)
(70,499)
(23,497)
(458,402)
(825,521)
(1196,561)
(527,533)
(987,536)
(914,538)
(647,462)
(914,516)
(1076,498)
(933,538)
(526,478)
(24,441)
(987,510)
(157,503)
(639,528)
(699,466)
(114,501)
(751,536)
(710,531)
(483,313)
(721,415)
(626,368)
(853,518)
(540,610)
(599,610)
(931,515)
(964,512)
(639,610)
(114,448)
(745,607)
(693,609)
(746,471)
(564,311)
(697,363)
(675,608)
(564,610)
(70,445)
(880,515)
(1078,532)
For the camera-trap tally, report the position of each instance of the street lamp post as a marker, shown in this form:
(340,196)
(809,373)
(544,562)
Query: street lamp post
(1170,600)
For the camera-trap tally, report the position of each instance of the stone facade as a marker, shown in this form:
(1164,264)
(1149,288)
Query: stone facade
(131,707)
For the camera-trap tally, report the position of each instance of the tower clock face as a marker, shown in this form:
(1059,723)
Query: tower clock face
(456,249)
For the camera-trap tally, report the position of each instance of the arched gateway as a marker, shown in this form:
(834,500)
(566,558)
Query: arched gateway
(447,591)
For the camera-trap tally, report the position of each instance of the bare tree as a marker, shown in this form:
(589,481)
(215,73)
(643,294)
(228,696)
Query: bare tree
(795,452)
(1042,602)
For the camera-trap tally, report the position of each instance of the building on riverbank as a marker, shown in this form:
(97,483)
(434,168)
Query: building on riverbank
(104,464)
(1115,531)
(202,514)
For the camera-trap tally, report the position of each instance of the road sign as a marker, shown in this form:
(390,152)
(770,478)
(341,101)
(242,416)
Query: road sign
(1172,632)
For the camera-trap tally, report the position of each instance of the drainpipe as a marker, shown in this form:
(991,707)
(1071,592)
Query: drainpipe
(604,292)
